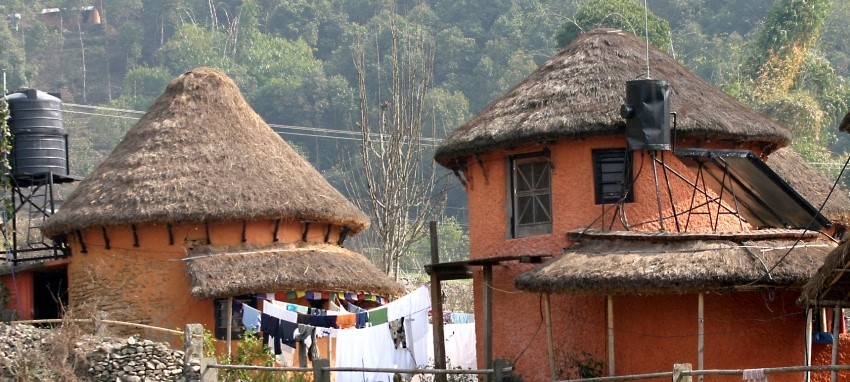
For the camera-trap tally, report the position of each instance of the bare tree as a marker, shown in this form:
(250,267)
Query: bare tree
(394,178)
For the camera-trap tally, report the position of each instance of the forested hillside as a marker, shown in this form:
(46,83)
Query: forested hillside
(295,59)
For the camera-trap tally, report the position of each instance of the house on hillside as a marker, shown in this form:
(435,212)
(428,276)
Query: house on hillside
(665,248)
(200,202)
(64,18)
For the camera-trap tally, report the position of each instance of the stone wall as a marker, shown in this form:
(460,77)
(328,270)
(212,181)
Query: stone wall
(27,351)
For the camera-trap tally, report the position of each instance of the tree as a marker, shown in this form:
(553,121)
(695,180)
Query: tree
(782,43)
(396,181)
(624,14)
(452,242)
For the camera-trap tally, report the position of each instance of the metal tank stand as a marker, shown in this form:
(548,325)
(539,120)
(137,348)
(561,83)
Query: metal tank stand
(33,201)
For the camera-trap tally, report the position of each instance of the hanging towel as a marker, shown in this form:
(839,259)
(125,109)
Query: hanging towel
(378,316)
(250,318)
(755,375)
(345,321)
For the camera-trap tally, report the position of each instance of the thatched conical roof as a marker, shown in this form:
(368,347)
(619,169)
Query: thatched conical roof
(832,280)
(201,154)
(811,184)
(579,92)
(657,263)
(222,272)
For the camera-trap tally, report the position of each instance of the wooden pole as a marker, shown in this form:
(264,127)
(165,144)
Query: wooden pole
(547,312)
(701,334)
(229,324)
(809,313)
(488,319)
(437,309)
(836,329)
(611,357)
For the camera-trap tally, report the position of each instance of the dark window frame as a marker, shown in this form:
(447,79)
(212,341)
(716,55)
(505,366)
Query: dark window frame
(524,166)
(237,330)
(609,182)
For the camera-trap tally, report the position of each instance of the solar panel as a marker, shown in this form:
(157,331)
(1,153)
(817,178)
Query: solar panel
(763,198)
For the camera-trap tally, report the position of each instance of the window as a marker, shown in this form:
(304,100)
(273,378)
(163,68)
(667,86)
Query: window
(612,176)
(531,188)
(236,327)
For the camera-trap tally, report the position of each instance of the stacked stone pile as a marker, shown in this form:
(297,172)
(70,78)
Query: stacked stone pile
(16,341)
(132,360)
(100,359)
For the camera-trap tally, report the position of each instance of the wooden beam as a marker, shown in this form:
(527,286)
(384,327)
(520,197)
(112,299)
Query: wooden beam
(487,301)
(437,309)
(701,333)
(547,312)
(229,309)
(836,329)
(611,354)
(809,312)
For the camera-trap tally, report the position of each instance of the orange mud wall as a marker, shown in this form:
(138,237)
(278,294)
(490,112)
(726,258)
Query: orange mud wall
(21,294)
(822,355)
(149,283)
(743,330)
(579,322)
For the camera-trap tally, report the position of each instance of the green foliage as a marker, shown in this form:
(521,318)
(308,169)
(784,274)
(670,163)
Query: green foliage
(453,243)
(251,351)
(12,57)
(623,14)
(5,166)
(782,43)
(144,83)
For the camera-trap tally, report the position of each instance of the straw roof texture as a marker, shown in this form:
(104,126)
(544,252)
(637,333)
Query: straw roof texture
(811,184)
(218,272)
(620,266)
(832,280)
(201,154)
(579,91)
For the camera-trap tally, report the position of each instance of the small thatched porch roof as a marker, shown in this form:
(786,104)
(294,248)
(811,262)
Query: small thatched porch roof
(201,154)
(810,184)
(831,283)
(219,272)
(617,263)
(579,91)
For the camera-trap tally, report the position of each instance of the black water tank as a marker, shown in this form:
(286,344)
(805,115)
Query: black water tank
(39,141)
(647,114)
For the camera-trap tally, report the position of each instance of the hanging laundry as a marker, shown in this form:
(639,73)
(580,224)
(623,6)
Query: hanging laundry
(354,308)
(269,326)
(306,336)
(378,316)
(323,321)
(280,311)
(462,318)
(754,375)
(372,346)
(361,320)
(397,333)
(250,318)
(447,317)
(346,321)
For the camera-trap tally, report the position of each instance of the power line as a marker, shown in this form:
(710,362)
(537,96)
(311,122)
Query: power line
(290,130)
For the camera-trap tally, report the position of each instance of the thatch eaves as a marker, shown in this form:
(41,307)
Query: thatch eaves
(811,184)
(831,282)
(201,154)
(219,272)
(642,267)
(578,93)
